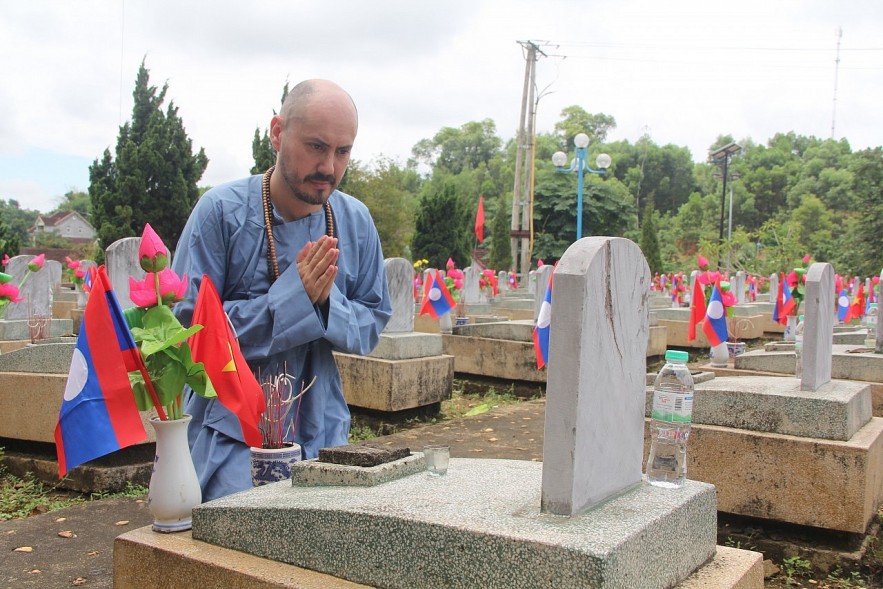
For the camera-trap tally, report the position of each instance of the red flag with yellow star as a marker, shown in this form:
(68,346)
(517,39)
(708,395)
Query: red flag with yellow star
(216,347)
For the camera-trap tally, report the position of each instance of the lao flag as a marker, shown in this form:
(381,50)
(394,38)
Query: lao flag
(438,300)
(715,326)
(98,413)
(788,305)
(842,306)
(778,315)
(216,347)
(543,327)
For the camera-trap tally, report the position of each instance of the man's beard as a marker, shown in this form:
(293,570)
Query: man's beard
(305,196)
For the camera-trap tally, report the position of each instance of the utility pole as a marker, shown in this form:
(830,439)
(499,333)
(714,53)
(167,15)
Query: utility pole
(522,193)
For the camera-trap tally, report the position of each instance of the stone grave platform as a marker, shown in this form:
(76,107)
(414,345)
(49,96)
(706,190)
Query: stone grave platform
(775,452)
(849,362)
(478,526)
(17,329)
(752,325)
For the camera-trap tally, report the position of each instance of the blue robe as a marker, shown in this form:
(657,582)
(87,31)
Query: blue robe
(277,325)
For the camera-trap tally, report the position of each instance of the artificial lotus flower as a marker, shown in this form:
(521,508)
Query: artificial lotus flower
(36,263)
(806,259)
(9,292)
(875,280)
(838,284)
(171,288)
(5,260)
(728,297)
(450,263)
(73,264)
(152,253)
(702,262)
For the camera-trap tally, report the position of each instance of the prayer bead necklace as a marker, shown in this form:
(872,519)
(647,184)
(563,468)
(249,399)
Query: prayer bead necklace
(272,262)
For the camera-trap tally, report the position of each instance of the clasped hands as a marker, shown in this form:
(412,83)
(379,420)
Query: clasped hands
(317,265)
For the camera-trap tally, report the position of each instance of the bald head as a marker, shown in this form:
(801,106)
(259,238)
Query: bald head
(310,92)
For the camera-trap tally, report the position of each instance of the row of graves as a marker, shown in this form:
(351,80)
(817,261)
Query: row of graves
(764,445)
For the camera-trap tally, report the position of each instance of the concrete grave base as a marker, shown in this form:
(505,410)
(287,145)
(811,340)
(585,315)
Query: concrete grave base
(846,365)
(407,346)
(17,329)
(827,484)
(144,559)
(478,526)
(395,385)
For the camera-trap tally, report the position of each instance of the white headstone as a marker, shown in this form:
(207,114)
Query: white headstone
(36,292)
(53,268)
(543,275)
(532,283)
(122,263)
(503,281)
(471,289)
(774,287)
(400,278)
(694,276)
(595,399)
(879,347)
(818,327)
(739,285)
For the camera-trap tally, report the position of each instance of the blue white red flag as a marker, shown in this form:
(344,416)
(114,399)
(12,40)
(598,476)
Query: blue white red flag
(98,413)
(842,305)
(543,327)
(778,316)
(788,304)
(437,300)
(715,324)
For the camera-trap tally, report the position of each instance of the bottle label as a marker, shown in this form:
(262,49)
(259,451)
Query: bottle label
(672,407)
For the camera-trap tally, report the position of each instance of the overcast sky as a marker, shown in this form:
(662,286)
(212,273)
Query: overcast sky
(682,71)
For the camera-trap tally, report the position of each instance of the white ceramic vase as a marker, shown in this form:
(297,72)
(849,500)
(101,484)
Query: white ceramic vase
(445,325)
(174,487)
(720,355)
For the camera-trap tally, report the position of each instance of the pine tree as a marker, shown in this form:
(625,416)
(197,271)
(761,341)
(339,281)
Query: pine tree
(443,229)
(153,177)
(261,148)
(650,240)
(501,248)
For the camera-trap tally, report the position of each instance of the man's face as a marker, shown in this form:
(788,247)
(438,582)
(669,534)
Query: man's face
(314,152)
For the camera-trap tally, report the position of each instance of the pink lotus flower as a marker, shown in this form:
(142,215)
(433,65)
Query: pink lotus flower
(875,280)
(36,263)
(838,283)
(73,264)
(540,263)
(806,259)
(9,291)
(728,299)
(5,260)
(152,253)
(791,279)
(703,263)
(455,274)
(450,264)
(80,273)
(171,288)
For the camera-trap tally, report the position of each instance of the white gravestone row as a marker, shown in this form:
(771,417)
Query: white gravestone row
(400,279)
(471,289)
(36,293)
(774,287)
(739,285)
(818,327)
(595,398)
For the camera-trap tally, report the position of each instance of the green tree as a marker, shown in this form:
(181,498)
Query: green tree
(389,192)
(153,177)
(78,202)
(443,228)
(458,150)
(500,247)
(261,148)
(9,241)
(18,220)
(575,120)
(650,240)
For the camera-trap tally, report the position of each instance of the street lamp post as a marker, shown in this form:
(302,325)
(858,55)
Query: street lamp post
(580,166)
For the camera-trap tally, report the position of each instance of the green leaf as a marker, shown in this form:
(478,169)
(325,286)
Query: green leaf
(478,410)
(133,316)
(161,330)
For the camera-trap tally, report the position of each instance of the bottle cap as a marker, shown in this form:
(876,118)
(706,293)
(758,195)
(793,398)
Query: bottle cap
(799,319)
(677,355)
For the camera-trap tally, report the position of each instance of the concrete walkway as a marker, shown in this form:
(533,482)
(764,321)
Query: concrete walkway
(86,557)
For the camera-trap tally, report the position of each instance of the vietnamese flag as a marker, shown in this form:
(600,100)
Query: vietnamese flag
(479,220)
(216,347)
(857,308)
(98,412)
(697,310)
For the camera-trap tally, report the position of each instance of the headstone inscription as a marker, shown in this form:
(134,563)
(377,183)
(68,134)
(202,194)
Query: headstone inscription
(594,427)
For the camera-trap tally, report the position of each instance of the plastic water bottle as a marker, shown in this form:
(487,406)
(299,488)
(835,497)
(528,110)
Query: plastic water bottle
(870,322)
(798,348)
(670,422)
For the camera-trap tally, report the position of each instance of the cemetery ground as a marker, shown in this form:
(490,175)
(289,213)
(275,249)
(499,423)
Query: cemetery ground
(51,538)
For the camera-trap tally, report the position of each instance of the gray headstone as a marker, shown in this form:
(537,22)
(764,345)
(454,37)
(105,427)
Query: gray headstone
(694,276)
(739,285)
(82,295)
(532,283)
(122,263)
(471,289)
(594,426)
(53,268)
(818,327)
(400,278)
(36,292)
(543,275)
(503,281)
(774,287)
